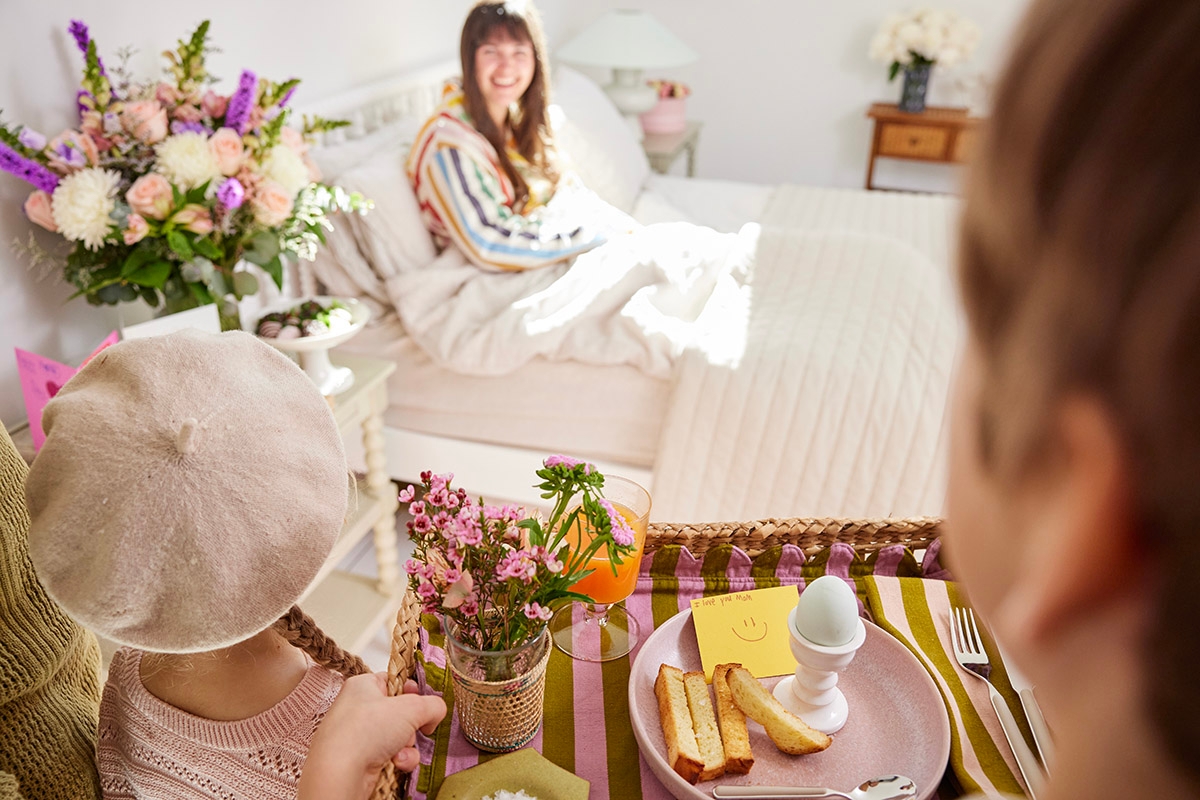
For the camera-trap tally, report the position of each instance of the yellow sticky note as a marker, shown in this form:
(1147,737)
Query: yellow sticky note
(749,628)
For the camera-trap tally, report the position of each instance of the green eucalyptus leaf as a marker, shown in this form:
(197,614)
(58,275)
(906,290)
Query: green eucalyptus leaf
(244,283)
(153,274)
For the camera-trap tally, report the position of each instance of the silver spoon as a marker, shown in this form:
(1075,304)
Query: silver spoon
(888,787)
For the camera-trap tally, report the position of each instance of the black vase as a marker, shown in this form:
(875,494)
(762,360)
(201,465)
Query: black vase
(916,83)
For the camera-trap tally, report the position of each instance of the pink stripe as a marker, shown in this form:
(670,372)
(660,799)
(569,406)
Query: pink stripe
(893,607)
(791,564)
(587,683)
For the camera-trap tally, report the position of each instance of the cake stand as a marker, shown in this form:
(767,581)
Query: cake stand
(313,351)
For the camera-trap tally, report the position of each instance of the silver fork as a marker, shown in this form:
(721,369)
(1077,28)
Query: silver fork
(972,657)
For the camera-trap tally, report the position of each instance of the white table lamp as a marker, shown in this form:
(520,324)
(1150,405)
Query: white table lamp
(628,41)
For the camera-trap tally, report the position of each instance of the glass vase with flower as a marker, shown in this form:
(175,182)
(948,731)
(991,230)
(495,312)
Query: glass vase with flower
(913,43)
(166,190)
(493,575)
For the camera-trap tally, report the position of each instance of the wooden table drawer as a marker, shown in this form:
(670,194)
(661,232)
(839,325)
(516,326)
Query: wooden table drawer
(913,141)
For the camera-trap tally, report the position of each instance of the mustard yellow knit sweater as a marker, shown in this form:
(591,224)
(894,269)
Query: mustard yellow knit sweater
(49,669)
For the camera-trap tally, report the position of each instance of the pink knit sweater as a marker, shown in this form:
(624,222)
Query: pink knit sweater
(150,749)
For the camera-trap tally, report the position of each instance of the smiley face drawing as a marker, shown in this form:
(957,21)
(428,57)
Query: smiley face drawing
(752,631)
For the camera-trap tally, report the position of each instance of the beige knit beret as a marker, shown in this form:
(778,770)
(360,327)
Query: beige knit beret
(189,489)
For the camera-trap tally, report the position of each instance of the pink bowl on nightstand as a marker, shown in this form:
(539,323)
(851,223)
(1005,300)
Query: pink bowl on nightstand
(669,116)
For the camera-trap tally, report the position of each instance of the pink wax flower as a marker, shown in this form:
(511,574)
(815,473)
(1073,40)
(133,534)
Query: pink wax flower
(150,196)
(37,208)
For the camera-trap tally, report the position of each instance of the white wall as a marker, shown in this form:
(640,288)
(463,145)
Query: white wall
(781,86)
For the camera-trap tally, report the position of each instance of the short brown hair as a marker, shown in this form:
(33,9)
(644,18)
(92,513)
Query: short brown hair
(1080,272)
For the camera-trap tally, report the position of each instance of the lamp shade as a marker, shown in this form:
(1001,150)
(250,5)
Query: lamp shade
(628,39)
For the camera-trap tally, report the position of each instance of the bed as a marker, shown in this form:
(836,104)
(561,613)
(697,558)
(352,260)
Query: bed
(830,402)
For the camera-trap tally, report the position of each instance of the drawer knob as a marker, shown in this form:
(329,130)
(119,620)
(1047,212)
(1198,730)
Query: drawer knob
(913,140)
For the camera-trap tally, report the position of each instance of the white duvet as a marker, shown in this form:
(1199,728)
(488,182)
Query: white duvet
(810,356)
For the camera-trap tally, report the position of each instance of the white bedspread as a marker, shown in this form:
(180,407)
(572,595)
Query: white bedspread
(640,299)
(837,405)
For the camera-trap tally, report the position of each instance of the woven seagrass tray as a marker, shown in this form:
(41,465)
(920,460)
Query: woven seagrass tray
(754,537)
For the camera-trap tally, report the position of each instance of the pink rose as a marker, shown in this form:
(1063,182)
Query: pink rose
(145,119)
(272,205)
(136,230)
(214,104)
(37,208)
(226,146)
(195,218)
(150,196)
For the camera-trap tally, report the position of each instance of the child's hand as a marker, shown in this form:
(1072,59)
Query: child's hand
(363,730)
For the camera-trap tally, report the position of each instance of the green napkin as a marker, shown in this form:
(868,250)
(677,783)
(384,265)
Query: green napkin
(917,612)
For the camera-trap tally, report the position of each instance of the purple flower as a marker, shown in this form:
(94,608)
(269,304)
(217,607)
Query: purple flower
(561,461)
(237,114)
(31,139)
(79,31)
(621,532)
(27,169)
(283,101)
(179,126)
(80,105)
(232,194)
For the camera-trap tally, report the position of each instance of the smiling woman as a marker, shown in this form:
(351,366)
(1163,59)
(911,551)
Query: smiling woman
(483,166)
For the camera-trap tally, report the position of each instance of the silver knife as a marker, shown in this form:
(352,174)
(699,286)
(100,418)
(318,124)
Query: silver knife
(1033,711)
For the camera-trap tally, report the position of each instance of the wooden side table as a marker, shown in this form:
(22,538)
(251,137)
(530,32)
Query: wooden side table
(663,148)
(935,135)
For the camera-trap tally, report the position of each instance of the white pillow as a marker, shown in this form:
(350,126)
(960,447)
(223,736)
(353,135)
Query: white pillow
(334,160)
(392,236)
(596,140)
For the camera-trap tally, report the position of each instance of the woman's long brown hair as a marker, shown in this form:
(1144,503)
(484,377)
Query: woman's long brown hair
(530,126)
(301,631)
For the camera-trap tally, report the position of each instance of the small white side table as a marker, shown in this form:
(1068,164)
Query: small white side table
(663,148)
(349,607)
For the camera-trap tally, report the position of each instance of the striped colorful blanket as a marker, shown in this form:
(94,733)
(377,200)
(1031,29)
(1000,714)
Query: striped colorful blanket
(587,728)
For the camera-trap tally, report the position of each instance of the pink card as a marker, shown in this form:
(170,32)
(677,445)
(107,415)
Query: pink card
(41,378)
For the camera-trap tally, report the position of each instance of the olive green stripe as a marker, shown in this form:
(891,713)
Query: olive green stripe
(999,675)
(437,678)
(763,568)
(624,777)
(920,620)
(714,570)
(664,595)
(558,733)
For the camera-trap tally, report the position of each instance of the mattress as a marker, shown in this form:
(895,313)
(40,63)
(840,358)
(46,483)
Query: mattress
(607,413)
(719,204)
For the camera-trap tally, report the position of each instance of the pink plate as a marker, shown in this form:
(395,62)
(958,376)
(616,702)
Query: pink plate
(897,725)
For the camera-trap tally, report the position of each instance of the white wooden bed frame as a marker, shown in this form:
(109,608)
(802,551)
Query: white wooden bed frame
(494,471)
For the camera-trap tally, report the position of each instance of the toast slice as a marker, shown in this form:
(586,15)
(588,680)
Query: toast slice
(683,754)
(735,740)
(704,725)
(789,733)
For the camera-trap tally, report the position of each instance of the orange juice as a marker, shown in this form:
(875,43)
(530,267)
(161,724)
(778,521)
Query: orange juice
(602,585)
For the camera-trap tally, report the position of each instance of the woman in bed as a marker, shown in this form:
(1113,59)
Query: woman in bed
(1074,501)
(483,167)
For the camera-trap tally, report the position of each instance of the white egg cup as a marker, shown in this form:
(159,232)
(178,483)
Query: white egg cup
(812,694)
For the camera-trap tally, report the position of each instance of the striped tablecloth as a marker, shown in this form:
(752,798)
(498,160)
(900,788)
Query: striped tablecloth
(587,728)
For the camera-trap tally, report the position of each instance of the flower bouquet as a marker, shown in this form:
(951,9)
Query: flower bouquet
(915,41)
(669,114)
(166,189)
(667,88)
(494,575)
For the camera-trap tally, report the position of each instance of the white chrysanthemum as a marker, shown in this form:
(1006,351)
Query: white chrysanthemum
(82,203)
(186,160)
(286,168)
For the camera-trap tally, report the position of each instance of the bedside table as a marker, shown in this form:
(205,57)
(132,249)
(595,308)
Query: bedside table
(935,135)
(663,148)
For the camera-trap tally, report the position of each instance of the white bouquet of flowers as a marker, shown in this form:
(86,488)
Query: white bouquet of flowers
(923,37)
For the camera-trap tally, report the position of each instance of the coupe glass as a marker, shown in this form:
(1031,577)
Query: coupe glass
(603,630)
